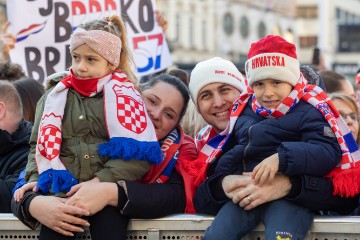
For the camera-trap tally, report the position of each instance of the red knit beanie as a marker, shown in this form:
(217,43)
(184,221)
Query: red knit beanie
(272,58)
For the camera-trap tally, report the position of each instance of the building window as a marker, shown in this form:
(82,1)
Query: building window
(277,30)
(308,42)
(177,27)
(228,24)
(191,32)
(261,30)
(307,12)
(203,33)
(349,35)
(244,27)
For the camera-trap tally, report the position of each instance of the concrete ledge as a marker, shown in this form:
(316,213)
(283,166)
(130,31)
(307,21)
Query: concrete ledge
(188,226)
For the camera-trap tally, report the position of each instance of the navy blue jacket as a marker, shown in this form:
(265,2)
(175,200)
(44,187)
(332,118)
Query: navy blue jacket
(305,149)
(299,137)
(14,150)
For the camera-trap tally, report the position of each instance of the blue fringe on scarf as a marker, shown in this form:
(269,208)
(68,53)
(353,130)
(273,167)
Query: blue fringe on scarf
(128,148)
(57,180)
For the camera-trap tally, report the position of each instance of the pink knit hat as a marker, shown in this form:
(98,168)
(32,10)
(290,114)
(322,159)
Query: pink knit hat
(104,43)
(272,58)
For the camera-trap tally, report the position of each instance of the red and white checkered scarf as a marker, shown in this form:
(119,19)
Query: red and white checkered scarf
(345,177)
(131,132)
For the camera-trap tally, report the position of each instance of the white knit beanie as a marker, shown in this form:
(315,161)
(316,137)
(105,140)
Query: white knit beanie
(272,58)
(214,70)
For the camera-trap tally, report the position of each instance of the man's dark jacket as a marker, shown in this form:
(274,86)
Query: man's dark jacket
(14,150)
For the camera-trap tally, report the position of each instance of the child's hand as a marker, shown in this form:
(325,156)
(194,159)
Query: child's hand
(19,193)
(266,170)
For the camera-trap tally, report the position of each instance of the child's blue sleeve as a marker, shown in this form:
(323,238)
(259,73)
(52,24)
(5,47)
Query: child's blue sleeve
(20,181)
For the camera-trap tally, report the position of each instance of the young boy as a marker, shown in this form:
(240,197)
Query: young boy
(281,124)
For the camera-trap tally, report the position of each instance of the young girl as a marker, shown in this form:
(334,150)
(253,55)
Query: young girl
(93,125)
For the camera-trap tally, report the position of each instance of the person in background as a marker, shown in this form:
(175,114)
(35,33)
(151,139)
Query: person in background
(30,92)
(10,71)
(165,98)
(336,82)
(349,110)
(14,142)
(182,74)
(192,122)
(357,87)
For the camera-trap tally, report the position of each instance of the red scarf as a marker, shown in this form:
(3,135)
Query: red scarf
(170,145)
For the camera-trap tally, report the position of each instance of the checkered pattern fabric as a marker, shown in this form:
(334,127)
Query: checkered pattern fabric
(131,114)
(49,142)
(131,132)
(345,176)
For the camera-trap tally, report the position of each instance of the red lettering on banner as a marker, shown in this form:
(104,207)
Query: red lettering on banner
(263,61)
(110,3)
(94,4)
(79,8)
(219,72)
(78,5)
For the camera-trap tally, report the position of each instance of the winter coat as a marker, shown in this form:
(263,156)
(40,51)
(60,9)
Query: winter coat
(83,129)
(303,156)
(161,198)
(299,137)
(141,200)
(14,150)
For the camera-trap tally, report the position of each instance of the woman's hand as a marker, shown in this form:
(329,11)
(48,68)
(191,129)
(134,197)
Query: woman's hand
(93,195)
(7,42)
(55,214)
(243,191)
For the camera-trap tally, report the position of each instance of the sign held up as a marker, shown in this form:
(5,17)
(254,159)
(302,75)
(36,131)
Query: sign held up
(43,34)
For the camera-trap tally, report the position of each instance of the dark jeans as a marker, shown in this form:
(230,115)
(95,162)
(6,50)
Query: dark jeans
(282,220)
(108,224)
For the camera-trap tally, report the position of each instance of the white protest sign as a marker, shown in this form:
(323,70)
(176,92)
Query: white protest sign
(43,28)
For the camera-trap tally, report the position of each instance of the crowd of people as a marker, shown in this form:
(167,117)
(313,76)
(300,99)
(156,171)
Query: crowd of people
(276,146)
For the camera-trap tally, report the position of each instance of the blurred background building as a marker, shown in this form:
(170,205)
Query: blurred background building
(200,29)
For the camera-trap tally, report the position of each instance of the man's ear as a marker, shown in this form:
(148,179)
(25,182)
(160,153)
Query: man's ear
(2,110)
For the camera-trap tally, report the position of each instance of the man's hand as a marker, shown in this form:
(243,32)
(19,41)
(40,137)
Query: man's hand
(243,191)
(7,42)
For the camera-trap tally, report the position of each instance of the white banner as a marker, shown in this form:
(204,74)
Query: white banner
(43,28)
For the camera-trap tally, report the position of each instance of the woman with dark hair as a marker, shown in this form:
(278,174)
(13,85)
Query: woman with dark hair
(30,92)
